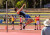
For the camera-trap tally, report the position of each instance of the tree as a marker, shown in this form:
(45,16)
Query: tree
(37,3)
(19,4)
(4,3)
(30,3)
(10,5)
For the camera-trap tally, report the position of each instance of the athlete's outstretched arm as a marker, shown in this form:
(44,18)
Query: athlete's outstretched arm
(20,9)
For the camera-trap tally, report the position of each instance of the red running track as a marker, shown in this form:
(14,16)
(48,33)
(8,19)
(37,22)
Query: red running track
(20,32)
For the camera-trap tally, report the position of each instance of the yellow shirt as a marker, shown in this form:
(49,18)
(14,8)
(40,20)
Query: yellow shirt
(12,19)
(35,20)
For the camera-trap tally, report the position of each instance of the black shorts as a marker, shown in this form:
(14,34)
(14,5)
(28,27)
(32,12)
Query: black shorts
(12,22)
(35,24)
(21,13)
(20,23)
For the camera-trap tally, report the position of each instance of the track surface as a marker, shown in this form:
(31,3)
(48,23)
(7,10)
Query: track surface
(17,27)
(20,32)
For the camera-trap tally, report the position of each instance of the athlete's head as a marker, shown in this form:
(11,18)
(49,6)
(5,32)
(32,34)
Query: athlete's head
(16,9)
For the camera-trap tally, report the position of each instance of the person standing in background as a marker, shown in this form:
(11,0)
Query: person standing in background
(46,29)
(35,23)
(5,19)
(38,22)
(21,21)
(12,17)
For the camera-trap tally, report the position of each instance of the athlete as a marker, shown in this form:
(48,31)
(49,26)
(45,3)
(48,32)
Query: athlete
(5,19)
(35,23)
(38,22)
(12,22)
(21,21)
(26,16)
(9,19)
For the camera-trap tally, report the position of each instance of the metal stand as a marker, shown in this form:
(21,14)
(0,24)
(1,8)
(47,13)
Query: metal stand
(6,16)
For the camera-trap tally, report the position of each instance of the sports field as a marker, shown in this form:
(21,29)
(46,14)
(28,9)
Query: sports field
(29,28)
(23,17)
(28,31)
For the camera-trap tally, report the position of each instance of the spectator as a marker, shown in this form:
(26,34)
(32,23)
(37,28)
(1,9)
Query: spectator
(12,22)
(5,19)
(39,23)
(35,23)
(21,21)
(46,29)
(10,19)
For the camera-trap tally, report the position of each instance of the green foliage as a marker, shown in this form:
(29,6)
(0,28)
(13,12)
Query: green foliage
(30,3)
(10,5)
(4,3)
(19,4)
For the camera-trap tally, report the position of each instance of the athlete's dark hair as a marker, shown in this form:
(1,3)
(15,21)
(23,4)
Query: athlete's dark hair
(15,9)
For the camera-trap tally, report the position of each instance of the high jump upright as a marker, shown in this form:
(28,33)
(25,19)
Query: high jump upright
(6,16)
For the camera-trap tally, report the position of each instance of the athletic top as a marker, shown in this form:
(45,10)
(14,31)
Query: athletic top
(21,20)
(37,18)
(12,19)
(24,15)
(21,13)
